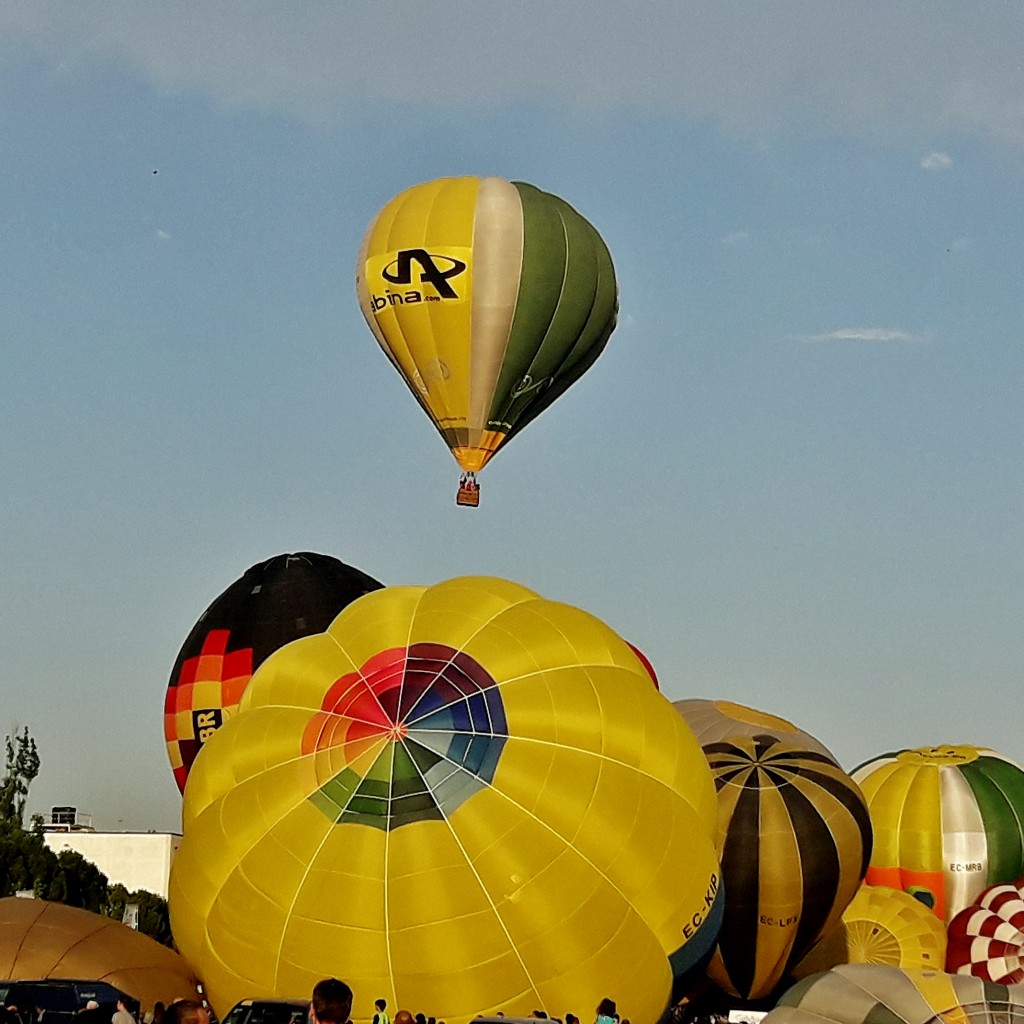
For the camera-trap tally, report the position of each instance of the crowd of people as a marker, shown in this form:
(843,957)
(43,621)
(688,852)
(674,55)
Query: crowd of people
(180,1011)
(330,1003)
(341,1002)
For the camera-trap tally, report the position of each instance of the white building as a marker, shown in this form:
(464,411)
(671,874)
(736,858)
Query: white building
(138,860)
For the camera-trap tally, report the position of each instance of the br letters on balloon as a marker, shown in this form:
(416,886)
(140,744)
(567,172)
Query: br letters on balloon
(206,722)
(410,276)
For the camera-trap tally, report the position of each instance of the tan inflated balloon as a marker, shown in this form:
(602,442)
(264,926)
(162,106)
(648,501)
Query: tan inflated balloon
(714,720)
(41,940)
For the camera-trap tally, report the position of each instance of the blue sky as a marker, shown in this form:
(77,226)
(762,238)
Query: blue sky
(794,478)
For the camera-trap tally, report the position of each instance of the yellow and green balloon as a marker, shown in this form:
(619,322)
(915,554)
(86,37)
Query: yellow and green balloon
(490,298)
(948,822)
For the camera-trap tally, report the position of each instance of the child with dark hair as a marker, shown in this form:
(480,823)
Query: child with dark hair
(331,1002)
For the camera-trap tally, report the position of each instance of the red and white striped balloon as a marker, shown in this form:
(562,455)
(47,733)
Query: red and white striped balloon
(986,939)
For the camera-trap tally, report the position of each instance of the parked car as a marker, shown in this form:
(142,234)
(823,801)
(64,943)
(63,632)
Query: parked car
(56,1001)
(269,1011)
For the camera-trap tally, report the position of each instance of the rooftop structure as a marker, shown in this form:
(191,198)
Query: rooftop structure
(136,860)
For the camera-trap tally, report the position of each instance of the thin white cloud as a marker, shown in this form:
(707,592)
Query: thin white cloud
(936,161)
(936,69)
(734,238)
(866,334)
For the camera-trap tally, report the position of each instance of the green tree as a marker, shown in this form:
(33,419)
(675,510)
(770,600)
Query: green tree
(154,919)
(21,767)
(80,882)
(26,863)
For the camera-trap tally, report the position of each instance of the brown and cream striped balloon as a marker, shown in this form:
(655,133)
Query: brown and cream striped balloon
(794,840)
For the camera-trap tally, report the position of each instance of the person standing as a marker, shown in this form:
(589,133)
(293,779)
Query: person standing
(381,1016)
(186,1011)
(331,1002)
(122,1015)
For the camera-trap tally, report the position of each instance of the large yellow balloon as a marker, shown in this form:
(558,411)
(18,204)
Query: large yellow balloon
(490,298)
(461,798)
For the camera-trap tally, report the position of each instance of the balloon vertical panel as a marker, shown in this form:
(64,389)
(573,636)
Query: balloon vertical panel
(566,311)
(419,257)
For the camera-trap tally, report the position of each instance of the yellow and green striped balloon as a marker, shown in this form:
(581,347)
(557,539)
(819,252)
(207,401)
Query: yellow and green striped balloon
(948,822)
(490,298)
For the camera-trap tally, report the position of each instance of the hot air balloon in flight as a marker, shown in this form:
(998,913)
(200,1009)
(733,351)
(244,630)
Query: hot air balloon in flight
(948,822)
(466,797)
(273,603)
(794,841)
(490,298)
(872,994)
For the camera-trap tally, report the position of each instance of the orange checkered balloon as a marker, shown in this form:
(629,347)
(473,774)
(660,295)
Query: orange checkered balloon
(276,601)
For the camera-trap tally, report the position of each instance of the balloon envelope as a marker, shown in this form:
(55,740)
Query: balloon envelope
(646,662)
(794,841)
(881,926)
(986,939)
(873,994)
(466,796)
(41,940)
(714,720)
(948,822)
(273,603)
(490,298)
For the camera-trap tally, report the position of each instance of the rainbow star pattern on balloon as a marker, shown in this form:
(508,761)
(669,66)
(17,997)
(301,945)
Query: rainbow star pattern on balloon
(421,729)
